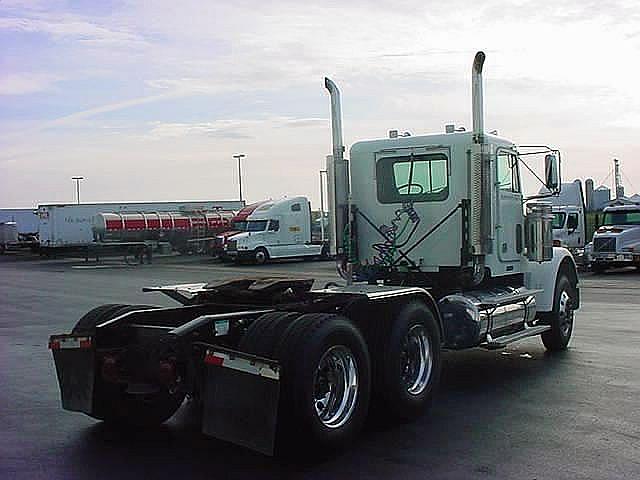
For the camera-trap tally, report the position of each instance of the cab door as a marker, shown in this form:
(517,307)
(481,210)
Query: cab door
(509,219)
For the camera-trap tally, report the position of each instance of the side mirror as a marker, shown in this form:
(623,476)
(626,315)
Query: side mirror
(552,180)
(572,223)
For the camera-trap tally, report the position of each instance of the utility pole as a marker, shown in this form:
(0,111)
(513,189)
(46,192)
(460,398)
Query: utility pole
(77,180)
(239,157)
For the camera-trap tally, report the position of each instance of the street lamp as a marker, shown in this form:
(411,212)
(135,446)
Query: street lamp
(77,180)
(239,156)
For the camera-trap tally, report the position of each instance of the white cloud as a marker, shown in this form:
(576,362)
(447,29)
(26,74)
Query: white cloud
(231,128)
(71,26)
(25,83)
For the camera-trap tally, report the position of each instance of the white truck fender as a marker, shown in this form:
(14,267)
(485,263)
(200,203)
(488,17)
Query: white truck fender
(544,275)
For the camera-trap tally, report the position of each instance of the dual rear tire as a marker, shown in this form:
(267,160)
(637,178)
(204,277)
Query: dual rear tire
(326,377)
(328,381)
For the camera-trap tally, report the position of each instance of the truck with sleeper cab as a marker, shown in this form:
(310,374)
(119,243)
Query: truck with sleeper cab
(276,229)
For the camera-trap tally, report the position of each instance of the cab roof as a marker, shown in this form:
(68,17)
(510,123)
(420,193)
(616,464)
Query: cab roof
(461,139)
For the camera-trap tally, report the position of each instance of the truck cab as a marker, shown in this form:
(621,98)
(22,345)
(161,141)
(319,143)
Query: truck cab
(569,226)
(238,225)
(616,243)
(276,229)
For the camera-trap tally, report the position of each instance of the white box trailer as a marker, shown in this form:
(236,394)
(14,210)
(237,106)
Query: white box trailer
(25,219)
(71,225)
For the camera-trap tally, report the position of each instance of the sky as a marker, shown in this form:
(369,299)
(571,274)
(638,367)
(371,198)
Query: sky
(151,100)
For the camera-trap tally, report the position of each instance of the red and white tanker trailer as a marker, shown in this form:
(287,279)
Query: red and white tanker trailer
(177,228)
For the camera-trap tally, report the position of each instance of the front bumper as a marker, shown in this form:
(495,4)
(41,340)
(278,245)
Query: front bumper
(616,259)
(239,254)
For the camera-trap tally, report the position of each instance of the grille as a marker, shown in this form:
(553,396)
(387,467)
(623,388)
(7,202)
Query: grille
(604,244)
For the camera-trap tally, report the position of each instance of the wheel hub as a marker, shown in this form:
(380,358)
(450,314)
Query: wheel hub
(335,386)
(565,313)
(417,361)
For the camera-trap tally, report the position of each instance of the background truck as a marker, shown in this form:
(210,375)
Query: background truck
(69,226)
(435,252)
(12,239)
(277,229)
(238,225)
(25,219)
(616,243)
(569,216)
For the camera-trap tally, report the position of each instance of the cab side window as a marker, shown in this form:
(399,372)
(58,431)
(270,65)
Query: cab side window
(274,225)
(296,207)
(507,172)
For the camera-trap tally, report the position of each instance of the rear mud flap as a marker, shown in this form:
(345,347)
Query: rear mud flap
(74,359)
(241,394)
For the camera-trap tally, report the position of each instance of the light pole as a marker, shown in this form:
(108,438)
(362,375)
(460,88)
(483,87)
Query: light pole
(240,156)
(77,180)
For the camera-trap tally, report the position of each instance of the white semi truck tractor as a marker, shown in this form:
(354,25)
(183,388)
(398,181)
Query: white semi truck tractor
(435,252)
(276,229)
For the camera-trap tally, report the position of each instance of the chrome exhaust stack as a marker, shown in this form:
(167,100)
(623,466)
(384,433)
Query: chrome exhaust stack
(477,107)
(337,177)
(479,175)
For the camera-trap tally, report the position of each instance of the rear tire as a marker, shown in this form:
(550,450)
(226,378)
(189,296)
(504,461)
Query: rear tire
(265,333)
(408,374)
(325,380)
(111,402)
(88,322)
(561,318)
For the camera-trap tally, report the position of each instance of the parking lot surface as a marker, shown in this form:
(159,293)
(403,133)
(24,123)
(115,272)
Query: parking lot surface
(517,413)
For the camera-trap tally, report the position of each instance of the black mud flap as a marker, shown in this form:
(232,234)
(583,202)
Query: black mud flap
(74,358)
(241,394)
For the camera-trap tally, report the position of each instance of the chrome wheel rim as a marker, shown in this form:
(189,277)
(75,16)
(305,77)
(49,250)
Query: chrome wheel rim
(565,314)
(335,386)
(417,361)
(260,256)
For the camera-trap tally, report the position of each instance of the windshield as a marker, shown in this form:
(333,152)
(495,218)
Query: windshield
(558,220)
(256,225)
(240,226)
(628,217)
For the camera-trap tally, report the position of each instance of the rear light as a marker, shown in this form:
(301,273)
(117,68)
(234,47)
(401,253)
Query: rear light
(213,359)
(167,372)
(110,369)
(62,343)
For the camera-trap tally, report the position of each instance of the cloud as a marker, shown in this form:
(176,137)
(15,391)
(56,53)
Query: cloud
(230,128)
(74,27)
(111,107)
(25,83)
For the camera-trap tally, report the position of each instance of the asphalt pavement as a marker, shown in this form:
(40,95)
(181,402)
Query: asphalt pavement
(517,413)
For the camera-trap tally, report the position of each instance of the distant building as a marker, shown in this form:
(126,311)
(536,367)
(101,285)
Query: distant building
(635,198)
(588,187)
(601,196)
